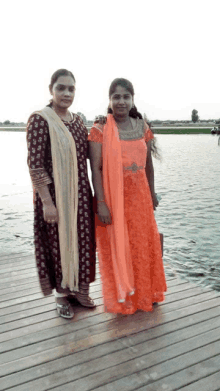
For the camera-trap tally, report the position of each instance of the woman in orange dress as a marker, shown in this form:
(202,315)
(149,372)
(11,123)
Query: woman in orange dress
(127,237)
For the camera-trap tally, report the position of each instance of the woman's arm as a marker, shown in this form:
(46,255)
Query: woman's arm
(95,155)
(37,136)
(149,169)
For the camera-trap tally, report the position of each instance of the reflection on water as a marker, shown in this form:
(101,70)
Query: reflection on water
(188,179)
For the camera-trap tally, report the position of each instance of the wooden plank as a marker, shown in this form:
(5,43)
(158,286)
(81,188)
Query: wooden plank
(27,259)
(16,316)
(12,302)
(27,305)
(20,268)
(19,300)
(96,349)
(20,282)
(23,313)
(15,256)
(96,294)
(50,299)
(19,294)
(172,383)
(8,330)
(18,277)
(28,291)
(8,277)
(27,283)
(22,299)
(20,261)
(16,307)
(187,300)
(17,273)
(97,373)
(98,335)
(170,345)
(14,289)
(5,282)
(208,383)
(16,262)
(30,331)
(38,316)
(192,374)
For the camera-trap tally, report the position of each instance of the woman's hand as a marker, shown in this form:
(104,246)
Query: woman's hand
(104,214)
(101,119)
(50,213)
(154,200)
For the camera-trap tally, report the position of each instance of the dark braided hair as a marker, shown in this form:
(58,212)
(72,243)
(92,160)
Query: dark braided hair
(133,112)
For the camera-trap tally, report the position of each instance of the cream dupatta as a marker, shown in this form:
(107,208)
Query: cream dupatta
(65,172)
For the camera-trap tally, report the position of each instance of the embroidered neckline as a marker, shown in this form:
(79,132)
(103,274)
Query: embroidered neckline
(135,134)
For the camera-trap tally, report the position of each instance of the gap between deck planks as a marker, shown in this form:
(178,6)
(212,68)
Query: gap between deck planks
(176,345)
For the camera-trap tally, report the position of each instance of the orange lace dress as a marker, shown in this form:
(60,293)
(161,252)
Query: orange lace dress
(145,247)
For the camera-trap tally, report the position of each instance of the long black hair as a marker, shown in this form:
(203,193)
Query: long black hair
(134,113)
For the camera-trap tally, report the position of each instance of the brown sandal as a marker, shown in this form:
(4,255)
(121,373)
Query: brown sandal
(85,300)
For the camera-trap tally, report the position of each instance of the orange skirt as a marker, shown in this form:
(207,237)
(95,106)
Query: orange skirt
(145,246)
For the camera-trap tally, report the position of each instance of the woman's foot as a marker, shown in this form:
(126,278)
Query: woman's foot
(82,296)
(63,308)
(84,299)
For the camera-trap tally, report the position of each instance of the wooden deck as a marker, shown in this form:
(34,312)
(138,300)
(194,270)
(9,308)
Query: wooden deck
(175,347)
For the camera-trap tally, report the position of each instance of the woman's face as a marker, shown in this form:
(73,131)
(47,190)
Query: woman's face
(121,102)
(63,91)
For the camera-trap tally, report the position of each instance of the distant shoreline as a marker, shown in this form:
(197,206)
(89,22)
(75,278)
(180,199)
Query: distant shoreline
(156,129)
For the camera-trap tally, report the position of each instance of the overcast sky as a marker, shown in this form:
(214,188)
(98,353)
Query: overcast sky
(168,49)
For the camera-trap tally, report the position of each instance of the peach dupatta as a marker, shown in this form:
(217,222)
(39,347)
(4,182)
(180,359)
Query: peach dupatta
(113,184)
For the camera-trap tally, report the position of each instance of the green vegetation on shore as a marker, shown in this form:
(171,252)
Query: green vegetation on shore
(155,130)
(182,131)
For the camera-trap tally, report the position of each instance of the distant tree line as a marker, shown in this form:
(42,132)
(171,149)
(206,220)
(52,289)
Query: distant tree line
(194,119)
(7,122)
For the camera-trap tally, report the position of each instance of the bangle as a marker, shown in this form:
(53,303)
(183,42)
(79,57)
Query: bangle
(101,201)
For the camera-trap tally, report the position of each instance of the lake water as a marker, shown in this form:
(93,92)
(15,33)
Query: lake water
(188,180)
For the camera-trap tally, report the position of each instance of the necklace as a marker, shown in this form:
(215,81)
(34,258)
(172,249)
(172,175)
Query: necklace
(70,114)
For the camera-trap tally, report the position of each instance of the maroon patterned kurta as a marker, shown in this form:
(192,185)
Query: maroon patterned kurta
(46,236)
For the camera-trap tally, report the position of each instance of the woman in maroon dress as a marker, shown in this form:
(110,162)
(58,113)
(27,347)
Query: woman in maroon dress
(55,133)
